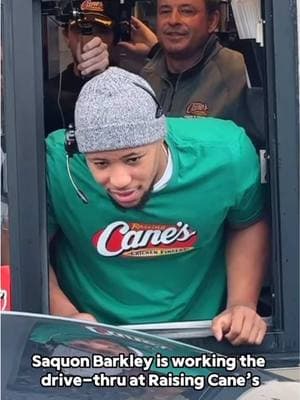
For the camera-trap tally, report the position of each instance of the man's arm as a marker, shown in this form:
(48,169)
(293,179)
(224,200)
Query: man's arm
(247,255)
(60,304)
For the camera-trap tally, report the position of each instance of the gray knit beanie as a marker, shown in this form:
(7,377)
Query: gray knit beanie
(113,112)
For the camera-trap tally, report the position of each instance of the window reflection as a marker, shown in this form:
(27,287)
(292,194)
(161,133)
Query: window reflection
(4,209)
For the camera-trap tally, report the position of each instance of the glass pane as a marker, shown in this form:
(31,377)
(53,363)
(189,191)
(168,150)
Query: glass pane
(5,301)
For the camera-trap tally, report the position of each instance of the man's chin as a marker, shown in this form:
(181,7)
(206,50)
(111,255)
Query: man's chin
(132,204)
(137,204)
(176,51)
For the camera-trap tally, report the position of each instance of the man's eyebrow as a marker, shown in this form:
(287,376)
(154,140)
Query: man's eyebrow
(165,6)
(96,158)
(132,154)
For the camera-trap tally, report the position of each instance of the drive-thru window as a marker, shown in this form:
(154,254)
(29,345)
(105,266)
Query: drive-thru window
(30,56)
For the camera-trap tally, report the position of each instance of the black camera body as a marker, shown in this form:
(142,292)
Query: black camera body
(119,11)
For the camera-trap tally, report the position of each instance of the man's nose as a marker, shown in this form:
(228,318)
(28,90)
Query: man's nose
(120,178)
(174,17)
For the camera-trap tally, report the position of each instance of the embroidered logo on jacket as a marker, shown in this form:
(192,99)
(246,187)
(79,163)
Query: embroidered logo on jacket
(197,109)
(89,5)
(144,240)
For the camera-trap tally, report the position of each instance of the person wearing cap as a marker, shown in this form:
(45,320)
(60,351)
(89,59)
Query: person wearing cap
(155,215)
(90,40)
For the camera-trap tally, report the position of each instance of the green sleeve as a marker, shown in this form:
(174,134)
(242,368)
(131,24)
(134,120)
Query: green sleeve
(248,205)
(52,225)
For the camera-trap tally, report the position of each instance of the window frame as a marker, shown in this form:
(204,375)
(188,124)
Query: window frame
(23,121)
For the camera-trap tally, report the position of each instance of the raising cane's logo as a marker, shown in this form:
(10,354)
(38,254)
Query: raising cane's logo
(197,109)
(89,5)
(144,240)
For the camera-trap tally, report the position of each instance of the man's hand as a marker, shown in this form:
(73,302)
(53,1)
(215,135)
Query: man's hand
(247,255)
(93,58)
(142,38)
(239,325)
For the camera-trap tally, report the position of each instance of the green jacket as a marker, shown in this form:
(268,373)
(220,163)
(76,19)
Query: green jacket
(215,86)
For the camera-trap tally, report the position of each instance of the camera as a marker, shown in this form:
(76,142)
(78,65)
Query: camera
(111,14)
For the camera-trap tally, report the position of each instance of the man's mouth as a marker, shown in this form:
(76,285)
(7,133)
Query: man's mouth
(124,197)
(175,34)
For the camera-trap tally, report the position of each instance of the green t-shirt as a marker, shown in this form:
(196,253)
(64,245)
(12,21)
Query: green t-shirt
(164,262)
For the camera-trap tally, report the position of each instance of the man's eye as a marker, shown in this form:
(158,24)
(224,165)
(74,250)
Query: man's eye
(164,11)
(133,160)
(101,164)
(187,11)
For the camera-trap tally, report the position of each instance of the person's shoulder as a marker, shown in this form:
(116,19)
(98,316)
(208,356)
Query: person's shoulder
(228,54)
(55,141)
(230,63)
(205,130)
(231,66)
(67,79)
(55,155)
(212,136)
(156,61)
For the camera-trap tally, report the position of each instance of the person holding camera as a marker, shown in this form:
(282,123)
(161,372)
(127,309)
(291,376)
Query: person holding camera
(90,38)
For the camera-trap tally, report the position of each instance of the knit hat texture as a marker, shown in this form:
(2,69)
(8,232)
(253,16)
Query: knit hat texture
(114,111)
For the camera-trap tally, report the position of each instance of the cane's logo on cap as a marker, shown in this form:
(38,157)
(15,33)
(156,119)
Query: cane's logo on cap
(144,240)
(92,6)
(197,109)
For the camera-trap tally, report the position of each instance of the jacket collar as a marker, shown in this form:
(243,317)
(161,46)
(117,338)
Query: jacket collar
(158,64)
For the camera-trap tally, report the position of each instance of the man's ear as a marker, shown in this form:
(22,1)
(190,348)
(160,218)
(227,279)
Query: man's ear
(213,21)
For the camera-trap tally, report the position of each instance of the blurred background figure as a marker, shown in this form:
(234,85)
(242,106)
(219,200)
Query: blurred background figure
(89,35)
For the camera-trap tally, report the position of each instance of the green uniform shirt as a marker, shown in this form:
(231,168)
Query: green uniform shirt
(164,262)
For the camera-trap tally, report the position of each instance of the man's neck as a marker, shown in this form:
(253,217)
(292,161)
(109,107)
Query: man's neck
(163,161)
(177,66)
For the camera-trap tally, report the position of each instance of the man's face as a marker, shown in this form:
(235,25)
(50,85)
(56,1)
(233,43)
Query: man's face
(183,26)
(129,174)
